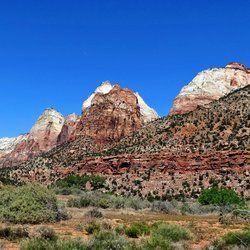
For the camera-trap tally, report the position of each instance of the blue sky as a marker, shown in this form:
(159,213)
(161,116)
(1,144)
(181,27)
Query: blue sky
(55,53)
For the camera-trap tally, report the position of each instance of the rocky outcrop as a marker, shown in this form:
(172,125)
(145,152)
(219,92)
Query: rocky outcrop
(68,129)
(210,85)
(207,143)
(8,144)
(159,172)
(147,113)
(110,116)
(42,137)
(166,161)
(45,132)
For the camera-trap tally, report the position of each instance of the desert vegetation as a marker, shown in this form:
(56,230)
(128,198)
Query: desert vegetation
(30,203)
(34,217)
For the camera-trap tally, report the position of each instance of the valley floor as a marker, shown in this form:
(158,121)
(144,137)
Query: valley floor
(204,228)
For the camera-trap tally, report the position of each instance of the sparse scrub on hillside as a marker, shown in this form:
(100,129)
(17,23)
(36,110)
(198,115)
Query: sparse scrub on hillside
(75,183)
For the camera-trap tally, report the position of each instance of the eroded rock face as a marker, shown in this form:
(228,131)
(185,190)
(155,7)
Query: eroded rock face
(110,116)
(147,113)
(160,170)
(42,137)
(47,129)
(8,144)
(68,129)
(210,85)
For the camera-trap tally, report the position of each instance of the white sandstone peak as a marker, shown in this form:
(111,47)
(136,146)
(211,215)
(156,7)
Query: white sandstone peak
(50,118)
(209,85)
(104,88)
(216,82)
(8,144)
(147,113)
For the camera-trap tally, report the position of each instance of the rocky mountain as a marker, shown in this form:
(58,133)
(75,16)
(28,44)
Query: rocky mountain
(147,113)
(8,144)
(108,115)
(200,145)
(43,135)
(41,138)
(68,129)
(112,113)
(210,85)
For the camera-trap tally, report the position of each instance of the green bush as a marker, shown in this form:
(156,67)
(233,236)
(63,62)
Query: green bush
(136,230)
(120,229)
(220,197)
(37,244)
(171,232)
(31,203)
(77,181)
(93,227)
(233,239)
(157,242)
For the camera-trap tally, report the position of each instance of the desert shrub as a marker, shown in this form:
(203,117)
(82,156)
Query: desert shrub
(197,208)
(136,203)
(63,191)
(14,233)
(102,200)
(71,244)
(77,181)
(37,244)
(164,206)
(41,244)
(171,232)
(157,242)
(233,239)
(137,229)
(30,203)
(95,213)
(109,240)
(220,197)
(47,233)
(93,227)
(117,202)
(106,226)
(120,229)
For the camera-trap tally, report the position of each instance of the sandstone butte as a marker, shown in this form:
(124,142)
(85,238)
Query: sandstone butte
(210,85)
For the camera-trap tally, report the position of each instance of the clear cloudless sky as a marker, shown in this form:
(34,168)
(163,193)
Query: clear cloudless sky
(54,53)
